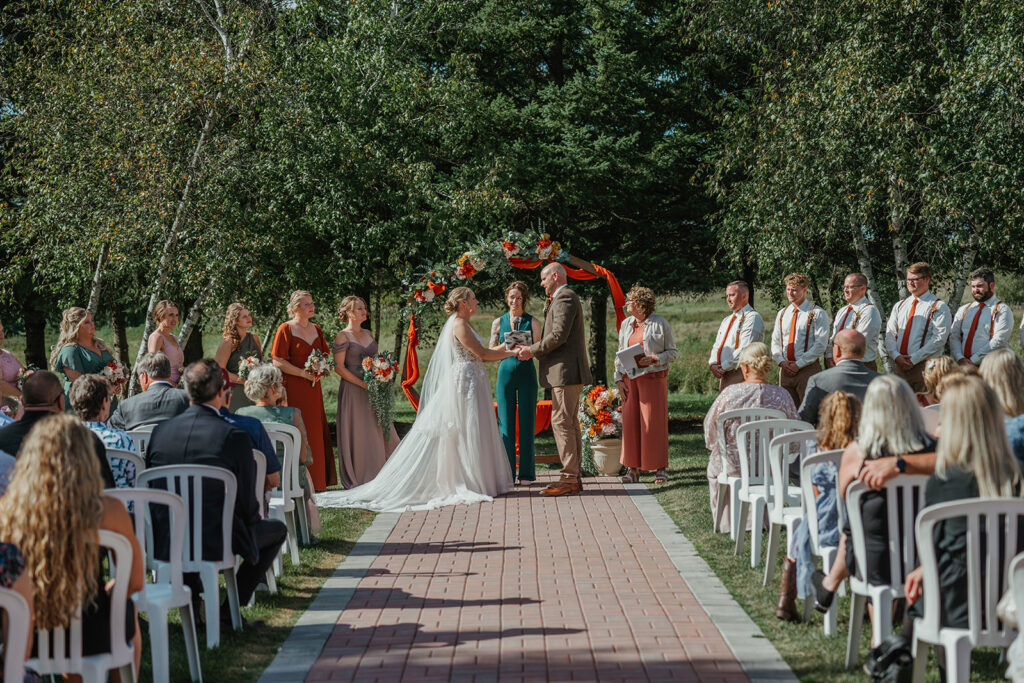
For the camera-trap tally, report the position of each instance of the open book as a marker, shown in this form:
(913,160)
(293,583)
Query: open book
(627,358)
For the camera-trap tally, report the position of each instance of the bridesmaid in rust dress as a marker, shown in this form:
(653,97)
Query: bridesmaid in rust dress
(293,342)
(362,448)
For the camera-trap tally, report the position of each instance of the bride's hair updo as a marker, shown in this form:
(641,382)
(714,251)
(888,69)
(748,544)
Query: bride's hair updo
(457,295)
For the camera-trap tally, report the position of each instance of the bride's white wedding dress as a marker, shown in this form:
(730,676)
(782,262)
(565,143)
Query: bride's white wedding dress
(453,454)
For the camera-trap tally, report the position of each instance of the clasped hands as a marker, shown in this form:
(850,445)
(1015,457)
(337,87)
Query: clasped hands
(521,352)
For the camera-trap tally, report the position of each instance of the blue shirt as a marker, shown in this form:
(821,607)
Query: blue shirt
(1015,435)
(124,470)
(258,435)
(6,420)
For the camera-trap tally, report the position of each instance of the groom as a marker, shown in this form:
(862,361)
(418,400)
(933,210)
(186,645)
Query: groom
(563,369)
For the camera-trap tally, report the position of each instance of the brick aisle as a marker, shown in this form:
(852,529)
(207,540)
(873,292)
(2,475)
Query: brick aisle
(526,588)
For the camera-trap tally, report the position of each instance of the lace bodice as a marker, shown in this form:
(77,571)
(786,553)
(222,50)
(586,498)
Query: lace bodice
(470,371)
(464,355)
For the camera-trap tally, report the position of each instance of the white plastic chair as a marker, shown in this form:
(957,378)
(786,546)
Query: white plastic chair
(783,501)
(93,668)
(908,488)
(141,436)
(261,500)
(827,553)
(16,609)
(753,440)
(728,484)
(283,503)
(157,599)
(187,481)
(994,522)
(121,454)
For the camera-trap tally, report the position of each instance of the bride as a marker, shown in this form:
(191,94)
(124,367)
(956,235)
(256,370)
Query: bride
(453,454)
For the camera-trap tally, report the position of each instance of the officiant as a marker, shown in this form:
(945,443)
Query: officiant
(517,382)
(646,347)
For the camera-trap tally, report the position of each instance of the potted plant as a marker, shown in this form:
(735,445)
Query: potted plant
(600,418)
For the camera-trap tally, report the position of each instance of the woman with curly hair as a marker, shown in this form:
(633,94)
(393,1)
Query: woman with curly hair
(237,343)
(79,351)
(162,340)
(934,370)
(57,471)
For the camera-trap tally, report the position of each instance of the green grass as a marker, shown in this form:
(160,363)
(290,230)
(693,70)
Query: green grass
(811,655)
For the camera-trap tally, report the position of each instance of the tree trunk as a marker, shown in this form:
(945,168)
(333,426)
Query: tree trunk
(899,242)
(192,348)
(864,262)
(121,351)
(815,292)
(749,274)
(97,279)
(376,315)
(35,333)
(268,338)
(400,331)
(598,337)
(960,279)
(195,311)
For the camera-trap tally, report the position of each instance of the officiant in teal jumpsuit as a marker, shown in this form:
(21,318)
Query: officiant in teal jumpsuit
(517,384)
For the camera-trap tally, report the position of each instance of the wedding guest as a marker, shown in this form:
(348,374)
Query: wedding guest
(753,392)
(744,326)
(1004,372)
(7,463)
(294,341)
(165,315)
(362,448)
(91,402)
(644,389)
(10,368)
(10,410)
(859,314)
(237,343)
(58,472)
(265,387)
(78,350)
(799,338)
(516,388)
(849,373)
(257,436)
(837,420)
(935,369)
(983,325)
(159,400)
(918,327)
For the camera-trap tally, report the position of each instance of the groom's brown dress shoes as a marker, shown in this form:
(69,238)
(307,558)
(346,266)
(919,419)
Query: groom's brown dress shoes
(562,488)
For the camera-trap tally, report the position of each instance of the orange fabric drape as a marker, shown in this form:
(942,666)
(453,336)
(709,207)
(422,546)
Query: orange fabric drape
(411,371)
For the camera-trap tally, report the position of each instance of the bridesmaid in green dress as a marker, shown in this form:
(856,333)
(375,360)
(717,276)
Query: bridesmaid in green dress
(517,384)
(79,351)
(236,344)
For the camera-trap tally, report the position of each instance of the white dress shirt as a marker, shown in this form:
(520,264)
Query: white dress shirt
(738,329)
(863,317)
(811,335)
(928,333)
(992,331)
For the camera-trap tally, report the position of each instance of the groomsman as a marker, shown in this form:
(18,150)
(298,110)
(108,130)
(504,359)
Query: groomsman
(799,338)
(743,327)
(858,315)
(981,326)
(918,327)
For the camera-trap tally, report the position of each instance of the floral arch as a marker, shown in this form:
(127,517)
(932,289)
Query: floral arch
(520,250)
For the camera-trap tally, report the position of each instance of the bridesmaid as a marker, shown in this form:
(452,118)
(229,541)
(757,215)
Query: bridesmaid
(10,368)
(165,315)
(362,448)
(294,341)
(237,342)
(517,384)
(78,350)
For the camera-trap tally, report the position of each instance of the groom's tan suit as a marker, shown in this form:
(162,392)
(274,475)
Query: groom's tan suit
(562,354)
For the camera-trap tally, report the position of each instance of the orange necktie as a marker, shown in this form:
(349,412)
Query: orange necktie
(842,325)
(974,328)
(725,338)
(906,332)
(790,354)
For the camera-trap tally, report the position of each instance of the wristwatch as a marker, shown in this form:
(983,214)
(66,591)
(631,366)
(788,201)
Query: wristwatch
(901,464)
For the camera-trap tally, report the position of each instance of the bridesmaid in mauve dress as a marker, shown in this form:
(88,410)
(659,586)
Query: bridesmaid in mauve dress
(165,315)
(293,342)
(362,449)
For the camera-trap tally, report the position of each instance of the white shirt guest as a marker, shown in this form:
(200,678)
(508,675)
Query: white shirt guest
(799,339)
(858,314)
(741,327)
(918,327)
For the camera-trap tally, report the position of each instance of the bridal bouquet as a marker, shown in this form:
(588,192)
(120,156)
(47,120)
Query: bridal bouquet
(246,365)
(379,373)
(600,413)
(319,364)
(115,374)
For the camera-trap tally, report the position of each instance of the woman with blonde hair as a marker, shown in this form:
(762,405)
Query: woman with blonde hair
(10,368)
(58,471)
(78,350)
(236,344)
(296,339)
(1004,372)
(755,361)
(453,455)
(934,370)
(362,446)
(165,315)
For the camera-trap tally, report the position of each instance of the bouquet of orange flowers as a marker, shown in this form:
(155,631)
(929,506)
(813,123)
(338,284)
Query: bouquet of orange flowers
(379,373)
(115,374)
(319,364)
(600,413)
(246,365)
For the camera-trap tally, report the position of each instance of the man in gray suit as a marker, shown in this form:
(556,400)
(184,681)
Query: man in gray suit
(564,369)
(849,374)
(159,400)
